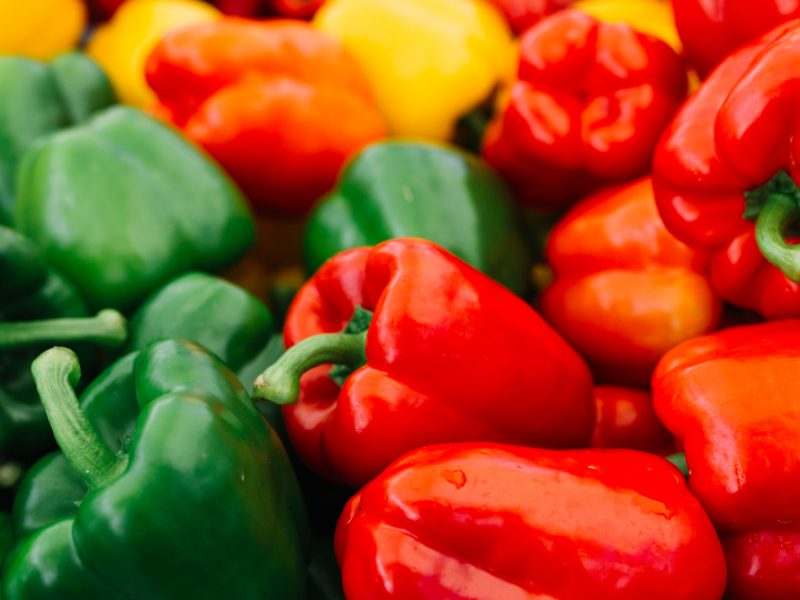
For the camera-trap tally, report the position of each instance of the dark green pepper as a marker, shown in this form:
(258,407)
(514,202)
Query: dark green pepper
(122,204)
(196,500)
(38,308)
(37,99)
(413,189)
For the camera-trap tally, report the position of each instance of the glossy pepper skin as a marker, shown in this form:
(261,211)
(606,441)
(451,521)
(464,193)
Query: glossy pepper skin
(198,446)
(450,356)
(173,209)
(729,23)
(415,189)
(428,61)
(720,174)
(625,418)
(625,290)
(522,14)
(588,105)
(732,399)
(30,29)
(35,297)
(37,99)
(488,521)
(279,105)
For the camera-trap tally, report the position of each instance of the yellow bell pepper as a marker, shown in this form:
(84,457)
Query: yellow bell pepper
(122,45)
(653,17)
(428,61)
(40,29)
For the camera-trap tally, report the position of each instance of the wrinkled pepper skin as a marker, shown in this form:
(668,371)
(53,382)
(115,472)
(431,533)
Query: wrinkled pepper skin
(33,30)
(450,356)
(173,210)
(710,31)
(428,61)
(587,108)
(37,99)
(222,464)
(279,105)
(733,399)
(625,290)
(488,521)
(625,419)
(414,189)
(716,166)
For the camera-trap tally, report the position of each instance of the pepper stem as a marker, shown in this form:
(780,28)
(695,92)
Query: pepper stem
(55,372)
(280,383)
(775,217)
(106,329)
(679,460)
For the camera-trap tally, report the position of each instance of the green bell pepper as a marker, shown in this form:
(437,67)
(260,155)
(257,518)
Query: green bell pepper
(37,99)
(414,189)
(38,308)
(122,204)
(192,498)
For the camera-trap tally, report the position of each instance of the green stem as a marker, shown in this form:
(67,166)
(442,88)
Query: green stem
(679,460)
(777,214)
(280,383)
(56,371)
(107,329)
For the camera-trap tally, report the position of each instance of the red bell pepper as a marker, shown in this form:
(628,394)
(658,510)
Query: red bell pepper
(490,522)
(725,172)
(588,106)
(522,14)
(733,398)
(295,9)
(625,418)
(279,105)
(710,31)
(625,291)
(450,356)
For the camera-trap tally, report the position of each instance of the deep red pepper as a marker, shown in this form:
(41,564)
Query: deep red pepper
(710,31)
(588,106)
(450,356)
(625,418)
(733,398)
(490,522)
(522,14)
(723,163)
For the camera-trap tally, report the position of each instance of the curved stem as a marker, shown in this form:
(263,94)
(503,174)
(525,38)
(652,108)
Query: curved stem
(776,215)
(56,371)
(280,383)
(107,329)
(679,460)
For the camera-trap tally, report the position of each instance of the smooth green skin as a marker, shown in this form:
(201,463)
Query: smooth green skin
(222,516)
(37,99)
(413,189)
(29,290)
(123,204)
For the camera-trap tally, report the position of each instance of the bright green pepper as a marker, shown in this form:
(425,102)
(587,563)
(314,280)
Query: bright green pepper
(37,99)
(195,498)
(412,189)
(122,204)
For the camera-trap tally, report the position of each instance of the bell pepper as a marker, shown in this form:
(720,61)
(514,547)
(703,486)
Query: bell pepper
(40,29)
(279,105)
(712,30)
(522,14)
(37,99)
(173,210)
(488,521)
(428,61)
(733,399)
(221,465)
(401,189)
(724,175)
(625,418)
(586,110)
(450,356)
(122,45)
(625,290)
(37,307)
(653,17)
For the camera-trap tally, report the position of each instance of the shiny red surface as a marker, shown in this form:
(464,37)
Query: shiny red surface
(451,356)
(490,522)
(625,418)
(522,14)
(764,565)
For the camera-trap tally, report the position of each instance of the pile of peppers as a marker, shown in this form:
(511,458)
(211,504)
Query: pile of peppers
(399,299)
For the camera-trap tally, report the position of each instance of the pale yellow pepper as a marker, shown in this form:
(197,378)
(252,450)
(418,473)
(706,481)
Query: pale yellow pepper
(40,29)
(653,17)
(122,45)
(428,61)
